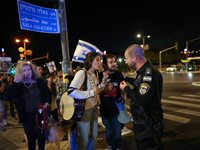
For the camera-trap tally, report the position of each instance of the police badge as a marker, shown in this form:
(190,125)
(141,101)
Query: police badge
(143,89)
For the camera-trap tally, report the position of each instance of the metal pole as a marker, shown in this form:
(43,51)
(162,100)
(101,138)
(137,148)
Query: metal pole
(66,66)
(187,51)
(164,51)
(186,56)
(160,61)
(143,41)
(24,50)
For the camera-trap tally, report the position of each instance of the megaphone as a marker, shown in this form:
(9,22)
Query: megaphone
(124,116)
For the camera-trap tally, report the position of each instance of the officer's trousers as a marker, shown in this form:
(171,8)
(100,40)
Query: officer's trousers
(146,142)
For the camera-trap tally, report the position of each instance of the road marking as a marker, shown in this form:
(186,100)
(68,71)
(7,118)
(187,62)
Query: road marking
(180,103)
(197,96)
(185,98)
(124,131)
(184,111)
(176,118)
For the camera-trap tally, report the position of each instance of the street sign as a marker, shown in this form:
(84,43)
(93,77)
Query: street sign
(37,18)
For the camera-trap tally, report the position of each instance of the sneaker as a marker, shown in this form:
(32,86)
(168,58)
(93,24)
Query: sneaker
(2,129)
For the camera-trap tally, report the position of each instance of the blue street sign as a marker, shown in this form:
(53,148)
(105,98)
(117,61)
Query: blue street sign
(37,18)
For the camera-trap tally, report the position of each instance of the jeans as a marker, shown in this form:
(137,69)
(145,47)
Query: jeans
(58,104)
(88,129)
(12,112)
(32,132)
(113,130)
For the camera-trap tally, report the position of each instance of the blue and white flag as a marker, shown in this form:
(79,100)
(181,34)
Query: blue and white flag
(82,49)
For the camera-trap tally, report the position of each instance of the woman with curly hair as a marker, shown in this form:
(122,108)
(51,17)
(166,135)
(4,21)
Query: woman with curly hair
(30,91)
(88,125)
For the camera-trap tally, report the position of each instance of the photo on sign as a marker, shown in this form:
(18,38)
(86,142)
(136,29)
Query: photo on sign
(5,64)
(51,66)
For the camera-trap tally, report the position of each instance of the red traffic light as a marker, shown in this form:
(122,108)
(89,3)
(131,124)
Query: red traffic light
(185,52)
(3,54)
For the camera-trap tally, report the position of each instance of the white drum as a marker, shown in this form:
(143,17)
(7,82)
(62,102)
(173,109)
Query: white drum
(67,106)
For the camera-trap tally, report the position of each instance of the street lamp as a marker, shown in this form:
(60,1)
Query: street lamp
(139,36)
(176,47)
(187,46)
(24,49)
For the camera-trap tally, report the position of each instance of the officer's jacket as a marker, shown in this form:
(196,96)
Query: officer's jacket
(147,88)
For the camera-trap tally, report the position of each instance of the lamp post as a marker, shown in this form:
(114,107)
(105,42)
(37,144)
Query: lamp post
(187,47)
(139,36)
(176,47)
(24,49)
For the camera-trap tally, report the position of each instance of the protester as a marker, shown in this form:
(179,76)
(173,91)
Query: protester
(2,111)
(6,105)
(88,125)
(30,91)
(13,102)
(40,70)
(77,69)
(146,94)
(108,108)
(52,86)
(59,87)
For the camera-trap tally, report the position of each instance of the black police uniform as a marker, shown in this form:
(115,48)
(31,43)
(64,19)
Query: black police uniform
(146,92)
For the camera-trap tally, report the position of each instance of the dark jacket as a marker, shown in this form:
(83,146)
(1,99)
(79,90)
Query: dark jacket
(13,91)
(147,89)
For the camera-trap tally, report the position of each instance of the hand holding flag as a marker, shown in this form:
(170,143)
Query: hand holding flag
(82,49)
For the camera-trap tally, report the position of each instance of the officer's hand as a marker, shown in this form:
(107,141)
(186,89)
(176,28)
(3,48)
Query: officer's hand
(123,84)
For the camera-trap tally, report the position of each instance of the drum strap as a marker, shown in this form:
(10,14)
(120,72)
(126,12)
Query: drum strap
(83,87)
(94,85)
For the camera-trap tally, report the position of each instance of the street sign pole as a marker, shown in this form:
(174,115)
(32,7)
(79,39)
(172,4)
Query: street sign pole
(66,65)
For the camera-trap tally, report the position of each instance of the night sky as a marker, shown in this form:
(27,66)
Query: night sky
(110,25)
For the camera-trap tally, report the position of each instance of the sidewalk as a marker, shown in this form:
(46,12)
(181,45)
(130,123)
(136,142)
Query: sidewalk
(12,139)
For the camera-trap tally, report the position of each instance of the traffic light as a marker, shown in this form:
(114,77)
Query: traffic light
(3,54)
(185,51)
(12,71)
(104,53)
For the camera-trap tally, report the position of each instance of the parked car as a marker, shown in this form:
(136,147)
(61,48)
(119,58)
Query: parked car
(172,68)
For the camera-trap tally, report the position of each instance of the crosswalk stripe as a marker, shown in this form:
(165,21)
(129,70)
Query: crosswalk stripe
(180,103)
(176,118)
(184,111)
(124,131)
(185,98)
(197,96)
(173,117)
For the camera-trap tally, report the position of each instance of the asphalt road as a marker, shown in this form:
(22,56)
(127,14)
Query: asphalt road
(181,103)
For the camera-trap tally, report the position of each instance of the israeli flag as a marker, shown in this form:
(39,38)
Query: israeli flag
(82,49)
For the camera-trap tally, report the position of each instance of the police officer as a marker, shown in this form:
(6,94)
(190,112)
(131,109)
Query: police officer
(146,92)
